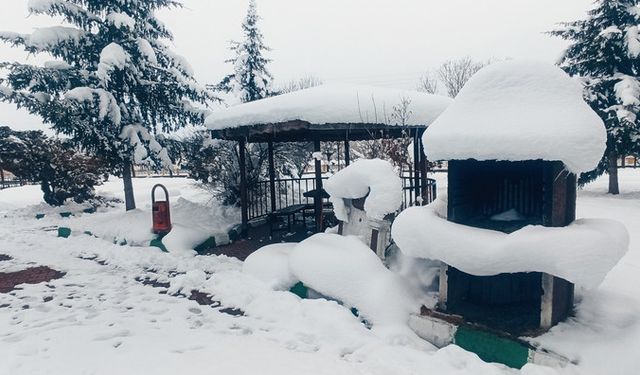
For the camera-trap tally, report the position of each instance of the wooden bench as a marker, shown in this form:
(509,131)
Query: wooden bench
(288,212)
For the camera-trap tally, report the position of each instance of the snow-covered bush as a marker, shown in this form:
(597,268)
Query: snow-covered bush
(62,171)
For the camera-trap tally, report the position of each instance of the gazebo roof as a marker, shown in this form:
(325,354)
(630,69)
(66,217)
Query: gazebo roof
(328,112)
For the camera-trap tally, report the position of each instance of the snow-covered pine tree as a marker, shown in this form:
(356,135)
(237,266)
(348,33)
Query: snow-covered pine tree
(115,81)
(605,53)
(250,79)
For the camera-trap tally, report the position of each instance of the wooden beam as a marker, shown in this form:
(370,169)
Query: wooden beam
(243,186)
(423,170)
(347,152)
(272,176)
(298,131)
(318,198)
(416,165)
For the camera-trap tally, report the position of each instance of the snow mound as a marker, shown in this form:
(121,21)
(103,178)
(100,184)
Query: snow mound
(347,270)
(374,177)
(193,224)
(519,110)
(583,252)
(333,104)
(270,264)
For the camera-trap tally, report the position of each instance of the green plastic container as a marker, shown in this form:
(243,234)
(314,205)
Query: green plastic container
(64,232)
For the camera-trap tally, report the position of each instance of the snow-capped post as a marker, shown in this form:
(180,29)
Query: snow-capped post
(242,152)
(318,174)
(115,82)
(272,175)
(347,152)
(515,137)
(365,197)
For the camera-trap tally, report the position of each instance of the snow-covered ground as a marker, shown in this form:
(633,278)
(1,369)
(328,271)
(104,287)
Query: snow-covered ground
(98,319)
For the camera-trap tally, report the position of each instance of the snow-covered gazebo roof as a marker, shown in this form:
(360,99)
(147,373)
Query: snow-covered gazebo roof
(519,110)
(327,112)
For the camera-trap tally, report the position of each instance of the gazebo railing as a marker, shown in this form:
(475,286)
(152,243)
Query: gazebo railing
(290,192)
(409,192)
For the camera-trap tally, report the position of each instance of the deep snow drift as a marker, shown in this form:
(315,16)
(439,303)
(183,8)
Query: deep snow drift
(196,216)
(519,110)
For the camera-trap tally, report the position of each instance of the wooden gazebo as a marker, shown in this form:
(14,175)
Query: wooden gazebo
(330,113)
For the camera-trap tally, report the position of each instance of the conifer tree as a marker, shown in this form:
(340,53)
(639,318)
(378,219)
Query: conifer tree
(605,53)
(114,83)
(250,79)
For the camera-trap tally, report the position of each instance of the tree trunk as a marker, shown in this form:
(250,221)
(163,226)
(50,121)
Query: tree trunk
(614,187)
(129,199)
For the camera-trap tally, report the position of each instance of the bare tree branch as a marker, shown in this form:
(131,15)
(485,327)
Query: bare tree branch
(454,74)
(428,83)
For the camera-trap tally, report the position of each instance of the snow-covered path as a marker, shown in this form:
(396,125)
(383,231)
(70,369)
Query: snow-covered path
(98,319)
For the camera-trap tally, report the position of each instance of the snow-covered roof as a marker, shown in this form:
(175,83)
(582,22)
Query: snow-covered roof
(583,253)
(334,104)
(519,110)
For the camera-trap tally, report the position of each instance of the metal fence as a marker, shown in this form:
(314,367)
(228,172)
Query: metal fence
(409,192)
(13,183)
(290,192)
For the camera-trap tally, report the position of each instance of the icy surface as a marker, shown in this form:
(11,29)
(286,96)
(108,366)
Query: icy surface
(333,104)
(375,177)
(583,253)
(519,110)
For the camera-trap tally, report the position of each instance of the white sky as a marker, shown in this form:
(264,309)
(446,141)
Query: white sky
(378,42)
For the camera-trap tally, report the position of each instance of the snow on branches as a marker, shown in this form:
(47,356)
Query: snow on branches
(605,53)
(250,79)
(115,83)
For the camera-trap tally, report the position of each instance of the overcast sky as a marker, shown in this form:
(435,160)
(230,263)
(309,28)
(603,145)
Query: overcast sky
(378,42)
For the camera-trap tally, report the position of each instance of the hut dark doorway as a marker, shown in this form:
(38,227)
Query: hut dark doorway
(507,196)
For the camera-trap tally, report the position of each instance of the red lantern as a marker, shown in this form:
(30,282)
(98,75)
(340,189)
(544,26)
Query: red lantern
(161,215)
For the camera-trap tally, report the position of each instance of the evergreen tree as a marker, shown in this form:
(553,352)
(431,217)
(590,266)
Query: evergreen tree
(605,53)
(114,84)
(250,79)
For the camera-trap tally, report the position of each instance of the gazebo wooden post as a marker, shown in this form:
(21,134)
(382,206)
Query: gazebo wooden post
(424,168)
(272,176)
(416,164)
(347,152)
(318,197)
(242,143)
